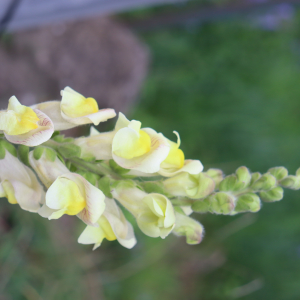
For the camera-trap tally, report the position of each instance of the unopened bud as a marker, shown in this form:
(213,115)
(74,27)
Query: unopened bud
(216,175)
(279,172)
(272,195)
(254,177)
(291,182)
(222,203)
(243,176)
(265,182)
(248,202)
(236,182)
(186,226)
(193,186)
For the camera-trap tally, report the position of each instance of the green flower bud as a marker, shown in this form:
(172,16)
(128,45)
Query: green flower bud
(291,182)
(279,172)
(215,174)
(247,202)
(236,182)
(221,203)
(265,182)
(188,227)
(272,195)
(298,172)
(243,175)
(254,177)
(188,185)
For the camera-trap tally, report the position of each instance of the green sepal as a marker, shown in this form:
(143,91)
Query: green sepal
(272,195)
(9,147)
(291,182)
(116,168)
(247,202)
(201,206)
(50,154)
(90,177)
(69,150)
(179,210)
(2,151)
(38,152)
(104,184)
(54,134)
(265,183)
(279,172)
(23,154)
(153,187)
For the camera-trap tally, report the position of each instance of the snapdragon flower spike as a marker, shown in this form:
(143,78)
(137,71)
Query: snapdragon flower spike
(112,226)
(24,125)
(71,194)
(19,184)
(154,212)
(138,149)
(73,110)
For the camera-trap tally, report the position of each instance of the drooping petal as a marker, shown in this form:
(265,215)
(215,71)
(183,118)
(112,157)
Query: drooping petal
(36,136)
(190,166)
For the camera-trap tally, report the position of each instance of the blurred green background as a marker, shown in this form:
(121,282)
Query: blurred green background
(231,88)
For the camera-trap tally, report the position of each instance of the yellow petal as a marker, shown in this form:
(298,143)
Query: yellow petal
(128,143)
(75,105)
(9,191)
(18,119)
(175,157)
(106,227)
(65,193)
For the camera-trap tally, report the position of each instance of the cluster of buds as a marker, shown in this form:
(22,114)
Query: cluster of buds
(130,167)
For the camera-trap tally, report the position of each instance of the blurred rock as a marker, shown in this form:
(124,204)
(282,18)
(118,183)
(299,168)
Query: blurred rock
(98,57)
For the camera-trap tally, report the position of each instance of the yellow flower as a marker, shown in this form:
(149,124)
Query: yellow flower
(73,110)
(175,162)
(138,149)
(71,194)
(24,125)
(112,226)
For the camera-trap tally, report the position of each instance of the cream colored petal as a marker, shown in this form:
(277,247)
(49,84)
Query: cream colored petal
(57,214)
(12,168)
(27,198)
(92,235)
(36,136)
(99,146)
(101,116)
(47,170)
(190,166)
(122,229)
(46,211)
(53,111)
(94,131)
(147,222)
(121,122)
(149,162)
